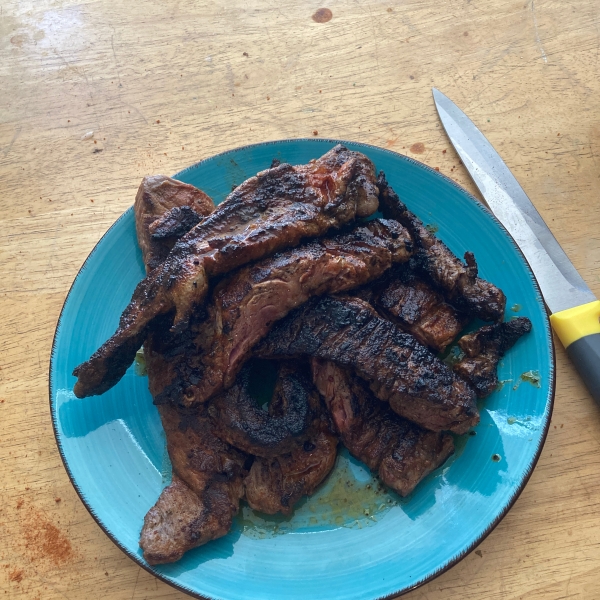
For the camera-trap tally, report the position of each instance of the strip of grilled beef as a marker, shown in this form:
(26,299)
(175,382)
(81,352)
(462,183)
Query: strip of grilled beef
(399,451)
(418,309)
(240,421)
(458,282)
(169,207)
(397,367)
(277,483)
(207,485)
(247,303)
(484,348)
(274,210)
(204,495)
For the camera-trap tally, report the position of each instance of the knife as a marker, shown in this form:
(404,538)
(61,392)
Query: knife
(574,310)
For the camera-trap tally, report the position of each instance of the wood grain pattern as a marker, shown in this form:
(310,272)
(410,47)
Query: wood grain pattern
(96,94)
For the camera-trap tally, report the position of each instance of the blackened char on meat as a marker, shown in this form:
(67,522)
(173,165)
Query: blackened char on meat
(240,421)
(397,367)
(418,309)
(248,302)
(204,495)
(483,350)
(274,210)
(277,483)
(170,207)
(399,451)
(458,282)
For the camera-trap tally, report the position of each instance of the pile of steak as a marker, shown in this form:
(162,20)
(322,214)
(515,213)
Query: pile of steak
(353,313)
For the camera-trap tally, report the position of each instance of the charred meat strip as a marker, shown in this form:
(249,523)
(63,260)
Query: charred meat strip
(401,452)
(170,207)
(240,421)
(458,282)
(245,305)
(204,495)
(484,348)
(274,210)
(418,309)
(199,504)
(276,483)
(399,369)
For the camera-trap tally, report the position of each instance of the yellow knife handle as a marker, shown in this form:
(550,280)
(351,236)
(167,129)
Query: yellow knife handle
(579,331)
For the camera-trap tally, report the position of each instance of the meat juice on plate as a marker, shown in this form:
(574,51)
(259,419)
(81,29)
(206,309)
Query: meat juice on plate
(350,497)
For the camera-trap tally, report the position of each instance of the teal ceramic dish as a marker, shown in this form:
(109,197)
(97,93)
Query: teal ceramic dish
(379,545)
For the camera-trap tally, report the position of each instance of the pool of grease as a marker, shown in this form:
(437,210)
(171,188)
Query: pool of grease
(350,497)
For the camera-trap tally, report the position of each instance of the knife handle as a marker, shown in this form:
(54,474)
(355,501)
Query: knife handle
(579,331)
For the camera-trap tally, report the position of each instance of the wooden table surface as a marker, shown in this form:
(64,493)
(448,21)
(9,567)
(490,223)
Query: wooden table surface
(96,94)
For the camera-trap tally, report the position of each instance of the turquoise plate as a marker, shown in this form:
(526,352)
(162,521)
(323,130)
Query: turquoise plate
(350,540)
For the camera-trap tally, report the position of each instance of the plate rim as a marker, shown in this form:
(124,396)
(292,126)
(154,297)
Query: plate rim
(551,391)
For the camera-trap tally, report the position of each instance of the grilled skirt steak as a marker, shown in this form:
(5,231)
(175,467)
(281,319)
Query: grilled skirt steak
(401,452)
(418,309)
(276,483)
(170,207)
(267,213)
(484,348)
(247,303)
(199,504)
(399,369)
(240,421)
(204,495)
(458,282)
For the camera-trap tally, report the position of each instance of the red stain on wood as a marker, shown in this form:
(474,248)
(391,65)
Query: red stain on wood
(16,575)
(44,540)
(322,15)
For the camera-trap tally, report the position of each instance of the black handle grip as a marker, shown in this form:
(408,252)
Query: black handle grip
(585,354)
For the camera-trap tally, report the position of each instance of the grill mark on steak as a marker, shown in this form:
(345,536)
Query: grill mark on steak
(240,421)
(276,483)
(458,282)
(245,306)
(484,348)
(418,309)
(269,212)
(400,452)
(399,369)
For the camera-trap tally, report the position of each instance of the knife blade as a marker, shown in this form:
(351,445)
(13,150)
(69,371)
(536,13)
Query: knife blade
(575,311)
